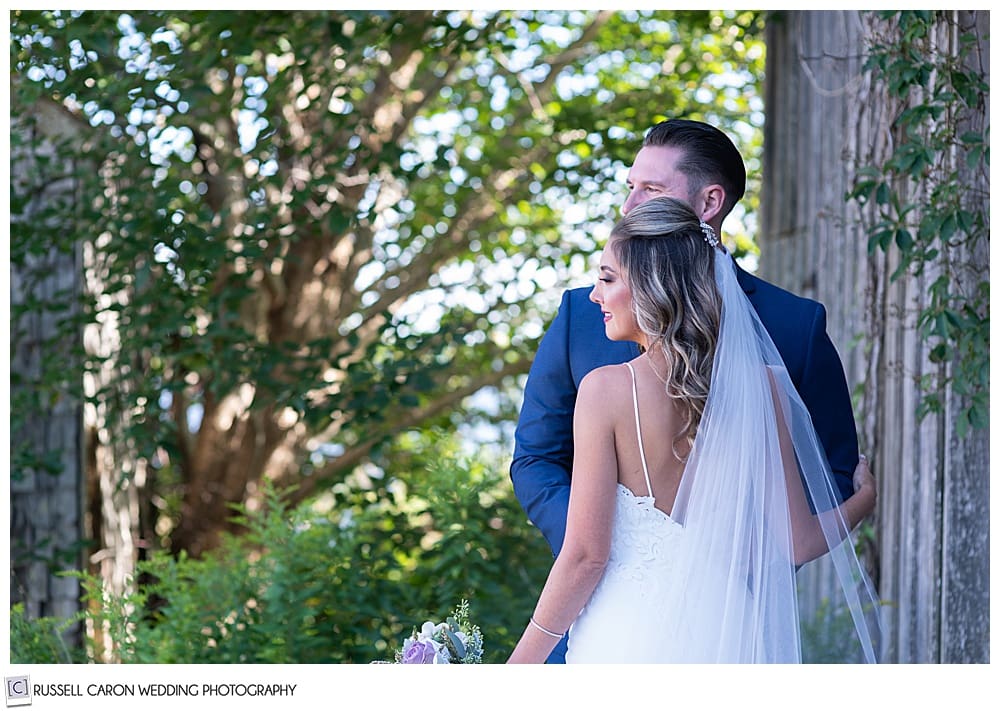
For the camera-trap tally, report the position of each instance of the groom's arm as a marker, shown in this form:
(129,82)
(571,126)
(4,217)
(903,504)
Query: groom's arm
(823,388)
(543,440)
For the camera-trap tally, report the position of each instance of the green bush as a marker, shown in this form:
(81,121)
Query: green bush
(346,578)
(40,641)
(829,636)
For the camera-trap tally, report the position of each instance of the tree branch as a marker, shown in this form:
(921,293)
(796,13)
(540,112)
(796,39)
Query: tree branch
(358,453)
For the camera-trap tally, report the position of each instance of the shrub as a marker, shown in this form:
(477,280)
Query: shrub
(345,578)
(40,641)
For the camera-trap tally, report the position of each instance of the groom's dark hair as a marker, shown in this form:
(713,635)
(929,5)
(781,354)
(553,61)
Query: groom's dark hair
(709,156)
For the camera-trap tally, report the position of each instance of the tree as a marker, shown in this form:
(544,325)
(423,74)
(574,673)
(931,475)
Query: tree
(313,230)
(875,202)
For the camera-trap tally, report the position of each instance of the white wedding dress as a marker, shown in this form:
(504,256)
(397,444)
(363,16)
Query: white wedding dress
(714,582)
(618,624)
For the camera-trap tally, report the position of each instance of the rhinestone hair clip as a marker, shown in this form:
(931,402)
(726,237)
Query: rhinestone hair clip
(709,234)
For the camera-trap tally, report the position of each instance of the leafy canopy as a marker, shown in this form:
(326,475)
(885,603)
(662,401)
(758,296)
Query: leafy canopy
(311,230)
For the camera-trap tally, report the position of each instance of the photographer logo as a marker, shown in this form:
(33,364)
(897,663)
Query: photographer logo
(18,691)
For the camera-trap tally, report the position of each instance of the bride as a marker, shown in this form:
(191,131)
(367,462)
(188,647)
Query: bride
(699,485)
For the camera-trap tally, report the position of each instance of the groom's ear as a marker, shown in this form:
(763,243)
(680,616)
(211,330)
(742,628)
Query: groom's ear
(711,199)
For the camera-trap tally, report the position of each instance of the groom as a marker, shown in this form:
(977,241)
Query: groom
(695,162)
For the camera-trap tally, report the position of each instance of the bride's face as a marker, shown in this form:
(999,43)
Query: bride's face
(614,297)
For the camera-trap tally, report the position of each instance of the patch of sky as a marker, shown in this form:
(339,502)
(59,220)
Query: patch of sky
(171,140)
(167,37)
(195,411)
(249,126)
(255,86)
(350,323)
(78,57)
(571,85)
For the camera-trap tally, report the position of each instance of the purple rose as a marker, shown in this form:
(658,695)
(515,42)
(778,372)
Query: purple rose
(417,652)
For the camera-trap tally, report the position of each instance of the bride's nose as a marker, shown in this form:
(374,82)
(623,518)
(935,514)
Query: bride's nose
(593,294)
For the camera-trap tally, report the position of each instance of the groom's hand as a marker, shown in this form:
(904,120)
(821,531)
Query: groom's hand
(864,485)
(863,476)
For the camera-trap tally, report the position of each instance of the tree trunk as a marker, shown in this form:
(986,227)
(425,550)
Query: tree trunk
(827,118)
(45,509)
(115,477)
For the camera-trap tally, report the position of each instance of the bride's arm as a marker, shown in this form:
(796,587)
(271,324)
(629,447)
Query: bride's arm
(584,554)
(808,539)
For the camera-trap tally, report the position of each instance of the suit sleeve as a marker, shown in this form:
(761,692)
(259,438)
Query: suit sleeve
(823,388)
(543,440)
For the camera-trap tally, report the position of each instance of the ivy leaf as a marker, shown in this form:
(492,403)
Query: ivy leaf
(948,227)
(939,353)
(962,425)
(904,240)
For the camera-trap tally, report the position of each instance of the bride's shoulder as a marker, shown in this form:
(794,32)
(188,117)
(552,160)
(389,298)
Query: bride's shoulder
(607,382)
(600,401)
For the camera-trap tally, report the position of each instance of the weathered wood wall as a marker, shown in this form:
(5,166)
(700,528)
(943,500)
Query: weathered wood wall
(89,499)
(825,118)
(46,517)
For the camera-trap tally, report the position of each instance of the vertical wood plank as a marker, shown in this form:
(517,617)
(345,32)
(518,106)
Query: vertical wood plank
(826,118)
(45,506)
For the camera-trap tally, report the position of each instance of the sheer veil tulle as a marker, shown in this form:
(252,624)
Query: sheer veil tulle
(736,597)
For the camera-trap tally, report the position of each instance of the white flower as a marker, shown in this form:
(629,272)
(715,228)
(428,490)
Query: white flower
(432,642)
(427,631)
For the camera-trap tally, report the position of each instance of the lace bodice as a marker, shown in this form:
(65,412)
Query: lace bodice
(640,536)
(616,623)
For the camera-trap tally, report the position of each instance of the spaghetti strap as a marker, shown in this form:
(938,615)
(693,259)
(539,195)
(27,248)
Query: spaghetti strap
(638,433)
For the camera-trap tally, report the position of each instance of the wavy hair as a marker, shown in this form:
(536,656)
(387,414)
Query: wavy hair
(670,270)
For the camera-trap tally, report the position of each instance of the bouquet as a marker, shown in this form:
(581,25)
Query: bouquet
(454,641)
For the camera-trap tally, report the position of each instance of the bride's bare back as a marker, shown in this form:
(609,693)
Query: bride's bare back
(660,420)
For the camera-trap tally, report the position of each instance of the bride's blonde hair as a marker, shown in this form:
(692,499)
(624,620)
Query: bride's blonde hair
(670,270)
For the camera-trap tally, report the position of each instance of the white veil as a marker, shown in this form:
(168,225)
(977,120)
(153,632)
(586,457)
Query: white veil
(736,599)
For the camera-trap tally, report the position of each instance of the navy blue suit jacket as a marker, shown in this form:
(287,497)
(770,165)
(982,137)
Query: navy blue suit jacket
(575,344)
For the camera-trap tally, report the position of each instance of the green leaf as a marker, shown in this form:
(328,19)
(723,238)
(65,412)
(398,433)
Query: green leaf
(974,155)
(979,417)
(939,353)
(962,425)
(930,226)
(457,643)
(948,227)
(904,240)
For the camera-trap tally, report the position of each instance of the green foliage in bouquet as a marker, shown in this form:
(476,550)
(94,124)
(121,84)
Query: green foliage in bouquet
(344,578)
(455,641)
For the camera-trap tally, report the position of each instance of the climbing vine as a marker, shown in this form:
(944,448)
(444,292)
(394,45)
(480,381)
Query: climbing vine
(930,195)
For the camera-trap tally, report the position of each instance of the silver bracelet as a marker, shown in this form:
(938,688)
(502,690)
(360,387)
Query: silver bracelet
(547,631)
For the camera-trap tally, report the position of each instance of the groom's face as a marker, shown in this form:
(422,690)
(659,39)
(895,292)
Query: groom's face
(654,174)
